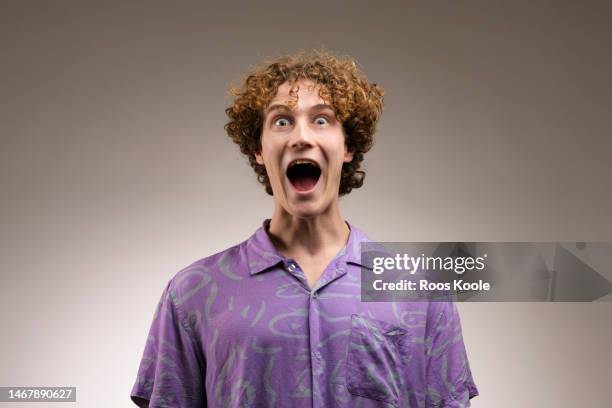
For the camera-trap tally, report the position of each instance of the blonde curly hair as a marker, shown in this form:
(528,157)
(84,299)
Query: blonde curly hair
(357,103)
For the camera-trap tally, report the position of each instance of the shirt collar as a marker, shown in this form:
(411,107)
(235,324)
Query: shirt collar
(262,255)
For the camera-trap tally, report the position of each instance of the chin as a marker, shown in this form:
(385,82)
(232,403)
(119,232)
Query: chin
(305,211)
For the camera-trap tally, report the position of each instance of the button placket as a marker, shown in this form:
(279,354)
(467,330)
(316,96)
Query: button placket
(294,270)
(315,355)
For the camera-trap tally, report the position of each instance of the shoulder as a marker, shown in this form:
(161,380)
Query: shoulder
(359,233)
(189,283)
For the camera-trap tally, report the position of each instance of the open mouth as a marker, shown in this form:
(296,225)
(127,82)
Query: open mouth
(303,174)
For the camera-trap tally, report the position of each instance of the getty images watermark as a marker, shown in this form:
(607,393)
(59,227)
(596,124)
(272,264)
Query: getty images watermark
(410,264)
(486,271)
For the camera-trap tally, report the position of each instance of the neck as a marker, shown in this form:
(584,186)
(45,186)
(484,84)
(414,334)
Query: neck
(318,235)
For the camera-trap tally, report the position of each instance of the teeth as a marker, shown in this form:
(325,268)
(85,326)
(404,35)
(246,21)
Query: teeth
(303,161)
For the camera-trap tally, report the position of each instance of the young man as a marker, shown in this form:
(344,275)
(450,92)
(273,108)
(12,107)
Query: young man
(277,320)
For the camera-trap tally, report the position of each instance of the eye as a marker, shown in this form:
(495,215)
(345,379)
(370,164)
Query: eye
(281,121)
(321,120)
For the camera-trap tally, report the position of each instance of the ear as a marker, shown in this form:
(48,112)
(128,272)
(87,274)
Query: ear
(259,158)
(348,156)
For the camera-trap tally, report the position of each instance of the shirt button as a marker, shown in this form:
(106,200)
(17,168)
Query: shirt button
(291,267)
(316,355)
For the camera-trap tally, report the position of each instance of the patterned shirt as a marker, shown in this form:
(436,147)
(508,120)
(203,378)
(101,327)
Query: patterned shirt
(242,328)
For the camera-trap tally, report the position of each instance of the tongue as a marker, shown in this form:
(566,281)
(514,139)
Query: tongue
(304,183)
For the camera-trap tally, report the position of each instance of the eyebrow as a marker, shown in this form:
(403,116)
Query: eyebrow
(284,107)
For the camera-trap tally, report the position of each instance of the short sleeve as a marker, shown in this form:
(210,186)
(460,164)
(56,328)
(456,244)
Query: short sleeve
(170,372)
(449,379)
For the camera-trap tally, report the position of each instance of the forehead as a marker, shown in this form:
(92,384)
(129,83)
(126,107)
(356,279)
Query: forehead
(307,94)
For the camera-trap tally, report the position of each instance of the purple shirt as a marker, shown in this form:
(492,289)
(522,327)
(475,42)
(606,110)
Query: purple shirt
(242,328)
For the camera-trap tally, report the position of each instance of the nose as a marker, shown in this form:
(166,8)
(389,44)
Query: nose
(301,137)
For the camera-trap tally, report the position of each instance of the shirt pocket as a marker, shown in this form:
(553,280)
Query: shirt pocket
(374,364)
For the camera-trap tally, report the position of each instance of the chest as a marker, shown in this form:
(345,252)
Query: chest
(313,270)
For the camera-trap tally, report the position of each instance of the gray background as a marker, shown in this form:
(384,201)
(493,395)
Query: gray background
(116,172)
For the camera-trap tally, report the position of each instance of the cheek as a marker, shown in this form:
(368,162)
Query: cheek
(265,155)
(339,156)
(270,161)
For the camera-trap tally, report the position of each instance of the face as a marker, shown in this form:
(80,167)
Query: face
(303,150)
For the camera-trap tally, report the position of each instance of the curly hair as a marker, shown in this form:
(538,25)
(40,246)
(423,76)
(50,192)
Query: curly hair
(357,103)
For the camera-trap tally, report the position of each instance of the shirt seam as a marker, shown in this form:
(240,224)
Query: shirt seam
(182,319)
